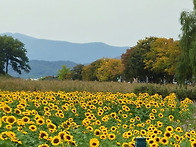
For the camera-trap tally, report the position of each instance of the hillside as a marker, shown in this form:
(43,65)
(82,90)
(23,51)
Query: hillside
(41,68)
(81,53)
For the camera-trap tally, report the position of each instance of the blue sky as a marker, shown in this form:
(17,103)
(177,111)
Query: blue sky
(114,22)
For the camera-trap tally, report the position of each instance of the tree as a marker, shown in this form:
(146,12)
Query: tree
(133,61)
(162,57)
(2,58)
(13,53)
(186,67)
(62,73)
(110,70)
(76,72)
(89,71)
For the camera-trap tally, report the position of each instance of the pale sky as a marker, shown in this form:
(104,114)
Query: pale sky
(114,22)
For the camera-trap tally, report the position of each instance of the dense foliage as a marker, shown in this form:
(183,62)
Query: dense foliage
(152,60)
(12,52)
(186,68)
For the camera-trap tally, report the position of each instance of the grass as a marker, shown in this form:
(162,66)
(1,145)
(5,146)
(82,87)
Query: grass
(16,84)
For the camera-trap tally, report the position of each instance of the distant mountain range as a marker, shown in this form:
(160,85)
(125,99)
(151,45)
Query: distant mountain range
(47,56)
(81,53)
(41,68)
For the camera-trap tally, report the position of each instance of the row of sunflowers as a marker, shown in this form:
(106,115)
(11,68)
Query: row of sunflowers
(102,119)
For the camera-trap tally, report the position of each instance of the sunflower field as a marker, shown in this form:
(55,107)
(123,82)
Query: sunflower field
(85,119)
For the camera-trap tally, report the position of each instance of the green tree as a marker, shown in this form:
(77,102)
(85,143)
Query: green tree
(13,53)
(76,72)
(186,67)
(2,58)
(133,61)
(63,73)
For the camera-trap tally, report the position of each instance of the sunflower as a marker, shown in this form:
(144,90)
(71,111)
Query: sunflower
(177,137)
(33,128)
(131,144)
(193,144)
(125,144)
(94,142)
(62,134)
(0,122)
(143,132)
(61,115)
(4,119)
(46,108)
(7,109)
(9,127)
(44,102)
(152,117)
(68,137)
(111,136)
(11,120)
(148,105)
(125,135)
(97,132)
(43,135)
(154,111)
(171,117)
(159,124)
(187,135)
(73,143)
(65,108)
(3,136)
(98,122)
(113,128)
(124,126)
(124,116)
(51,126)
(90,128)
(40,121)
(168,134)
(132,120)
(169,128)
(118,143)
(17,111)
(137,118)
(164,141)
(192,132)
(56,140)
(160,115)
(148,121)
(25,119)
(178,129)
(151,141)
(43,145)
(103,137)
(113,114)
(154,145)
(99,113)
(157,139)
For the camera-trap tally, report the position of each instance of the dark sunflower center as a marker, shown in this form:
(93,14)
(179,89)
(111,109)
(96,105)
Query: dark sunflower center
(56,140)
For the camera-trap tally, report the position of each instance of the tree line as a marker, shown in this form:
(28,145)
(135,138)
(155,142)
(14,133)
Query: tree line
(152,59)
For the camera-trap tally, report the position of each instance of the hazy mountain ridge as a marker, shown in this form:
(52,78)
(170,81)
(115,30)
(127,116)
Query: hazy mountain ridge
(41,68)
(52,50)
(47,56)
